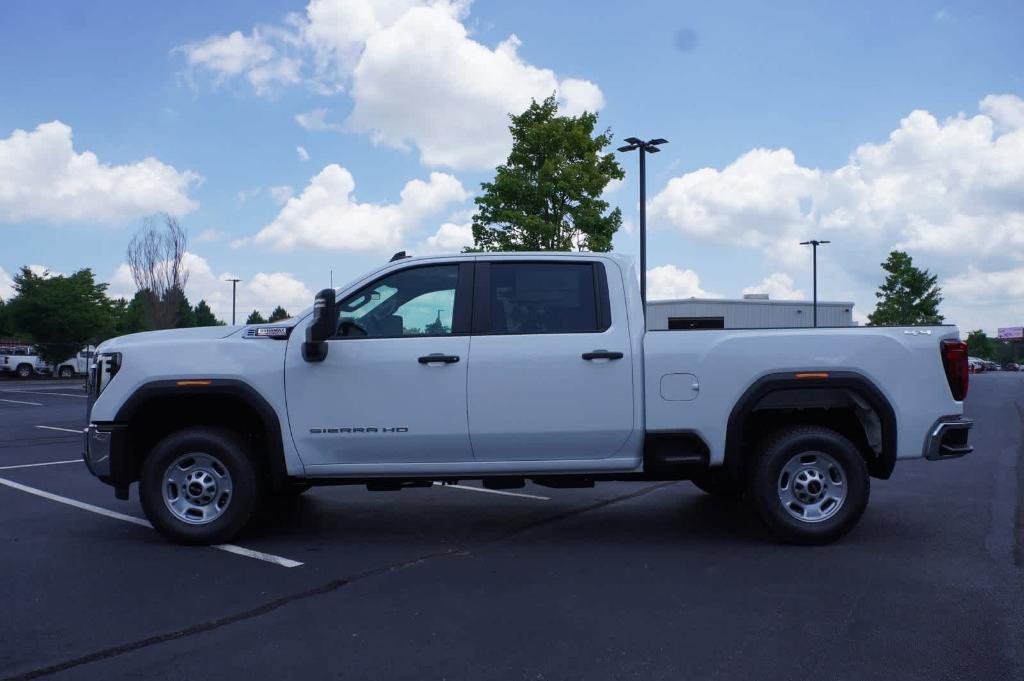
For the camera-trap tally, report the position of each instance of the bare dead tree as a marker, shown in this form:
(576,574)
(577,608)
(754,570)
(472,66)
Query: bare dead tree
(155,257)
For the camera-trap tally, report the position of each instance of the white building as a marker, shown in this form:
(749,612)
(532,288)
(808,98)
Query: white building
(753,311)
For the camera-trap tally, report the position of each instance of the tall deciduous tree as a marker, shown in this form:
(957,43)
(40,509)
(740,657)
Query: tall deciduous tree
(909,295)
(156,259)
(980,345)
(61,313)
(547,195)
(204,315)
(278,314)
(5,324)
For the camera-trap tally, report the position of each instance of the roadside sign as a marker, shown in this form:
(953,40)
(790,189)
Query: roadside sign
(1011,333)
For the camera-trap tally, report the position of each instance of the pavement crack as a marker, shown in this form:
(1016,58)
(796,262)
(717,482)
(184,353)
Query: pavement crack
(326,588)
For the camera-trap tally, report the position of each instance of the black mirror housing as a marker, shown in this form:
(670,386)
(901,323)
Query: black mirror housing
(323,326)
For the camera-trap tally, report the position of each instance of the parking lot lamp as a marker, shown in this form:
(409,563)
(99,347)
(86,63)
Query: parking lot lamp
(648,147)
(234,285)
(814,243)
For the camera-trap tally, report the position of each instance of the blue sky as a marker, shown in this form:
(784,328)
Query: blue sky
(767,107)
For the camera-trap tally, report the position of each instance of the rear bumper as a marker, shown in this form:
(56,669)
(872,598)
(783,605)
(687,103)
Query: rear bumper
(947,439)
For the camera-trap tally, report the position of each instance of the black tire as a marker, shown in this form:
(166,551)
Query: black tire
(819,449)
(229,450)
(25,371)
(717,484)
(66,372)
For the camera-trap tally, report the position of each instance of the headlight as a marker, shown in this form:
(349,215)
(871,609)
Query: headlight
(105,368)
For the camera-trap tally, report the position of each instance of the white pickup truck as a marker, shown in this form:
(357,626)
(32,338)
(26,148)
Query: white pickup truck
(512,367)
(23,362)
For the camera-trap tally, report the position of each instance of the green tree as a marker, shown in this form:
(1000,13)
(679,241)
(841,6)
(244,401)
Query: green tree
(61,313)
(979,344)
(5,324)
(255,318)
(186,317)
(131,316)
(547,194)
(909,295)
(204,315)
(278,314)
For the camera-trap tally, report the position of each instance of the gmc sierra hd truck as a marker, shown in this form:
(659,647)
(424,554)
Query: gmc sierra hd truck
(505,368)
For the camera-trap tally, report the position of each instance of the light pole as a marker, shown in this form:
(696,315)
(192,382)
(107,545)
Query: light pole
(234,284)
(814,243)
(648,147)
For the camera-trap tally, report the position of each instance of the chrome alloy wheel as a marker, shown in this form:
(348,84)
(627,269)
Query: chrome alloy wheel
(197,488)
(812,486)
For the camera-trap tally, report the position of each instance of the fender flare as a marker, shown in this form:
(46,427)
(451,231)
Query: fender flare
(882,465)
(218,387)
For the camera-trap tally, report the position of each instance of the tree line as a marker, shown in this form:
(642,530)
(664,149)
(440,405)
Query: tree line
(59,314)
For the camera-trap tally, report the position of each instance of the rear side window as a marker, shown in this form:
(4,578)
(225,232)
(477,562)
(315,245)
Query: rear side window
(525,297)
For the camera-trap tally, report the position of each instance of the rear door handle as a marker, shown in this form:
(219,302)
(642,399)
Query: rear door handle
(439,358)
(602,354)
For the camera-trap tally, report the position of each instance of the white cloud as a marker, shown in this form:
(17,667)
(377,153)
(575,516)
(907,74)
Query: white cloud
(303,154)
(778,286)
(449,238)
(281,193)
(6,285)
(209,235)
(414,74)
(951,192)
(316,121)
(670,282)
(43,178)
(235,54)
(327,213)
(1007,111)
(262,291)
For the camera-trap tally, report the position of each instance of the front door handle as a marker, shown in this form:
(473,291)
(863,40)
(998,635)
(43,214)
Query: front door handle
(602,354)
(439,358)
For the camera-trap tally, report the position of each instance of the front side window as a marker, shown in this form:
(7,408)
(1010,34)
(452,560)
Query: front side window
(419,301)
(543,298)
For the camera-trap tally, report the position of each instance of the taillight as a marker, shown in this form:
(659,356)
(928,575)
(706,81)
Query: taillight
(954,361)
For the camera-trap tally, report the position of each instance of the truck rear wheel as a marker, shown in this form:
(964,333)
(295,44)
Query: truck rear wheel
(199,486)
(810,485)
(25,371)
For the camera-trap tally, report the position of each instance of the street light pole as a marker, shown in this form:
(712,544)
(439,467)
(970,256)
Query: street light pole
(814,243)
(234,284)
(648,147)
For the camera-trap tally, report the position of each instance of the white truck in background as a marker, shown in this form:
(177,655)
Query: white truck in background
(23,362)
(505,368)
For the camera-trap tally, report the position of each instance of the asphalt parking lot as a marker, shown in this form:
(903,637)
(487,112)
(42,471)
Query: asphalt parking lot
(623,581)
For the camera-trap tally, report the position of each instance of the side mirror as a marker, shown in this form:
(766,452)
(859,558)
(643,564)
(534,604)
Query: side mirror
(323,326)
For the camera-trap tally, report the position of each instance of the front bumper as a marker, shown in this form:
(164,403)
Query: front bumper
(947,439)
(97,450)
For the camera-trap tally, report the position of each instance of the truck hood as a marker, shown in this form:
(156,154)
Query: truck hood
(169,335)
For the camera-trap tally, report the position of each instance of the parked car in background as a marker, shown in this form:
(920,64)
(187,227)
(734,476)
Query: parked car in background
(992,366)
(23,362)
(1011,366)
(975,365)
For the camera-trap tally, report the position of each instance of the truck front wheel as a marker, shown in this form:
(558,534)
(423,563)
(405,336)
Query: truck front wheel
(199,486)
(810,485)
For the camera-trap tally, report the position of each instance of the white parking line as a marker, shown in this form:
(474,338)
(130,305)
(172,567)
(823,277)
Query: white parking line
(40,392)
(65,430)
(230,548)
(496,491)
(33,465)
(34,404)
